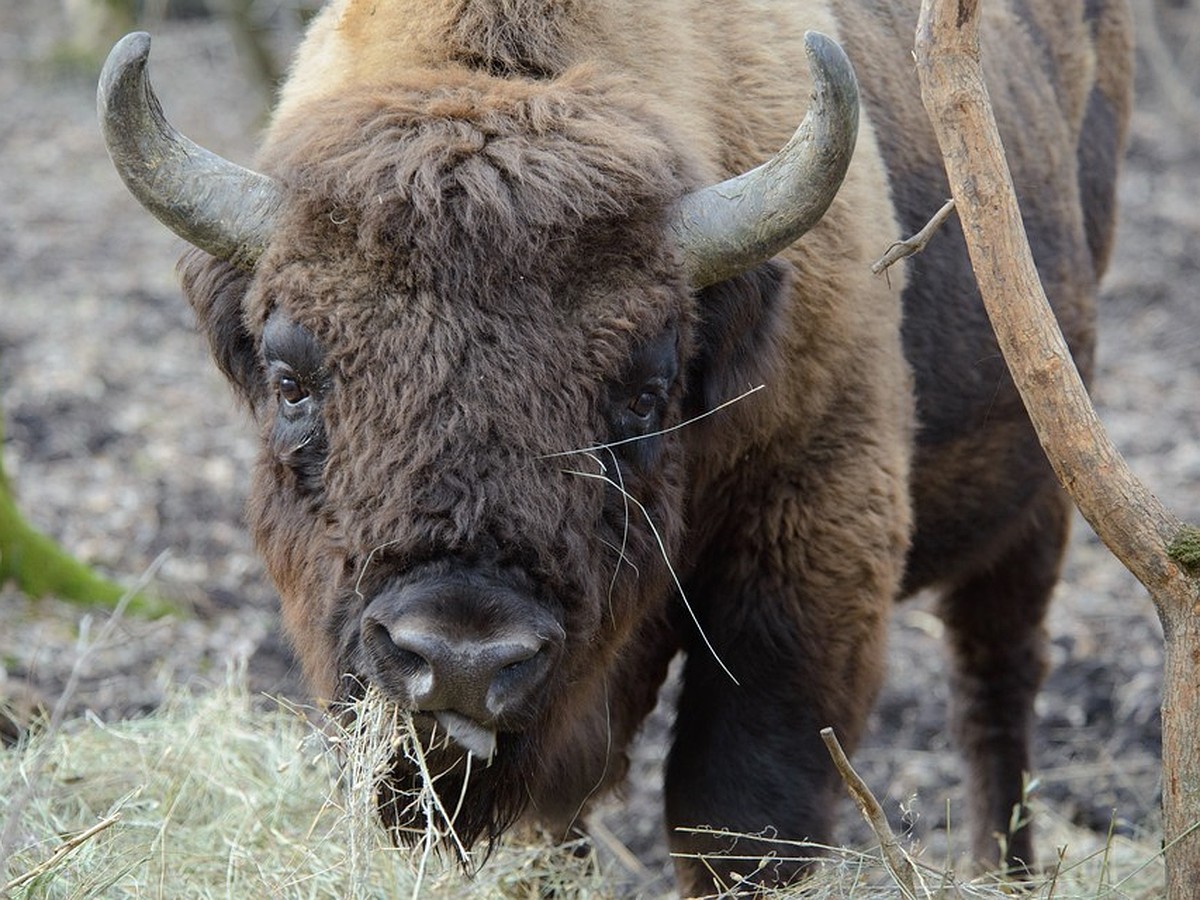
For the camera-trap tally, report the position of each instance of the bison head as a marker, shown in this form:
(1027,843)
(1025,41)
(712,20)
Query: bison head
(467,314)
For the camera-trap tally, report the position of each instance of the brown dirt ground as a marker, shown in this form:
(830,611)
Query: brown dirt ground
(126,446)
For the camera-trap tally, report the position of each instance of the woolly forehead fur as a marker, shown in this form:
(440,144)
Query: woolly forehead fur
(469,186)
(707,68)
(634,101)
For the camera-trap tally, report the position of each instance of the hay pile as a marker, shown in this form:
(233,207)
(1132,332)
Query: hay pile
(210,797)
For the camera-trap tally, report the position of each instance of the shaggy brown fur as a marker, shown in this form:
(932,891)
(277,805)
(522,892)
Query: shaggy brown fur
(472,286)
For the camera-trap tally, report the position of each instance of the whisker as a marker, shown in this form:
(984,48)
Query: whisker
(662,547)
(625,559)
(362,572)
(643,437)
(612,584)
(604,771)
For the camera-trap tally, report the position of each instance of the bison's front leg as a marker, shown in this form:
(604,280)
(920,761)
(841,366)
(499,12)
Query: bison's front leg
(794,594)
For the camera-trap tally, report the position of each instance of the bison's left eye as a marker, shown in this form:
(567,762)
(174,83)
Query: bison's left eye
(296,374)
(640,398)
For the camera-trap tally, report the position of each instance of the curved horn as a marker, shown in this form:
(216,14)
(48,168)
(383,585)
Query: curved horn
(726,228)
(208,201)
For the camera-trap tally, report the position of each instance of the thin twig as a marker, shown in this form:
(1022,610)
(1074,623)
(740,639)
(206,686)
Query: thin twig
(893,855)
(1058,864)
(63,850)
(915,244)
(653,434)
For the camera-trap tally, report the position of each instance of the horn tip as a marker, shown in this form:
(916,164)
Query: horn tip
(831,67)
(134,47)
(819,43)
(128,54)
(822,47)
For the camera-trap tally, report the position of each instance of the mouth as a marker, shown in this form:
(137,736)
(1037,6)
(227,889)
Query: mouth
(435,730)
(476,739)
(435,775)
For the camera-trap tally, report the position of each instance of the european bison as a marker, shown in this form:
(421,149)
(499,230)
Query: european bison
(480,294)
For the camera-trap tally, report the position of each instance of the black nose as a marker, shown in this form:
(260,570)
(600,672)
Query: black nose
(482,653)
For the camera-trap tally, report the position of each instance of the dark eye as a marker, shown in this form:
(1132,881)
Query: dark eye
(646,403)
(290,391)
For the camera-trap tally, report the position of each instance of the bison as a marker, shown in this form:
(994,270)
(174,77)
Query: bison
(499,272)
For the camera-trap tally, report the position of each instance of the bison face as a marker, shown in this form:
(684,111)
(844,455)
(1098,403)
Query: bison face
(466,497)
(468,516)
(474,501)
(446,526)
(468,314)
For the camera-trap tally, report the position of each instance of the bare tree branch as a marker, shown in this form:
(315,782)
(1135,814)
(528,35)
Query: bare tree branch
(1130,520)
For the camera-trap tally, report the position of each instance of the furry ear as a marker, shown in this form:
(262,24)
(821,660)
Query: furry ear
(216,291)
(739,322)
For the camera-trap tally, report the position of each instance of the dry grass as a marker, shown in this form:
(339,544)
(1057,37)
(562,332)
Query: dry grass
(213,798)
(210,797)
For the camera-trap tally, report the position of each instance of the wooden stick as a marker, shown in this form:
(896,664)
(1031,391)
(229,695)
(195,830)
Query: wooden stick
(893,854)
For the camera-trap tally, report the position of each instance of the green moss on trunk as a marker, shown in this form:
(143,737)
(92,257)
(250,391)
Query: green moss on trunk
(39,567)
(1185,549)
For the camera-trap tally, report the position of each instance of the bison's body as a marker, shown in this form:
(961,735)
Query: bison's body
(470,321)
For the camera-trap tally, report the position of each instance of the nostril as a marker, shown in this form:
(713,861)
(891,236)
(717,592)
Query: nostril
(517,679)
(513,656)
(513,666)
(401,670)
(379,640)
(510,676)
(518,669)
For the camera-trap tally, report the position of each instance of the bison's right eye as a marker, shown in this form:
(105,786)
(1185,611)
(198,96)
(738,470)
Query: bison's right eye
(296,374)
(649,401)
(291,391)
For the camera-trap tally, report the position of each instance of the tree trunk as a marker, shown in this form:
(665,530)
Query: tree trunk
(1152,543)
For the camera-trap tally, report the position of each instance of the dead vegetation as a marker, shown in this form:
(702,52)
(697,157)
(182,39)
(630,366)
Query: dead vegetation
(211,796)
